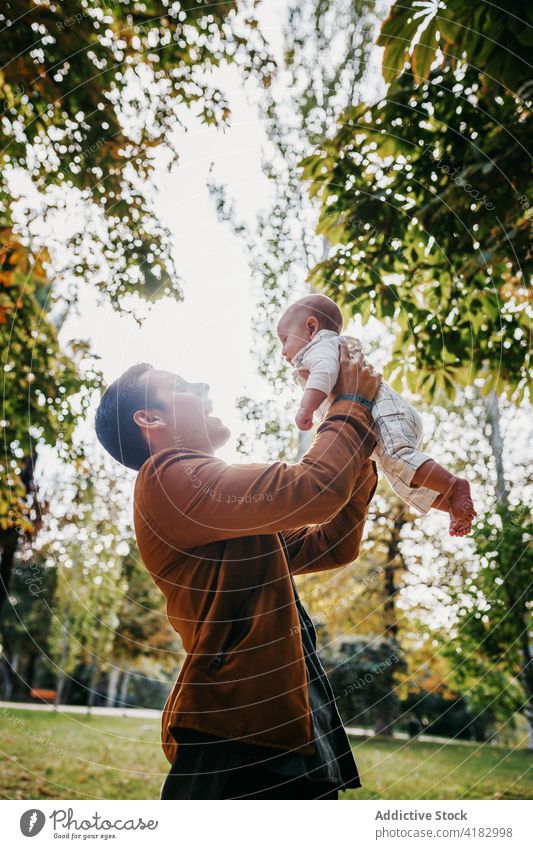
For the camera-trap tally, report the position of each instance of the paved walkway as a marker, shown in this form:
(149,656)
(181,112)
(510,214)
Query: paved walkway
(143,713)
(147,713)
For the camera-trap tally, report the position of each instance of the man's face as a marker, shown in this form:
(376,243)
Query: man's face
(184,420)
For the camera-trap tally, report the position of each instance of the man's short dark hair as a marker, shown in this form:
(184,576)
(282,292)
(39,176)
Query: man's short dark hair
(115,427)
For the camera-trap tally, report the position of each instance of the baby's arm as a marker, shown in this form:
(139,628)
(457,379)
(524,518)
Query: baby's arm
(311,401)
(322,364)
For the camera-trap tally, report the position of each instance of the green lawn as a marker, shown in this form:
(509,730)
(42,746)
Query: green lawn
(70,756)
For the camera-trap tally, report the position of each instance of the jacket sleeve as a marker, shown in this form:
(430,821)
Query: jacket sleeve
(192,499)
(337,542)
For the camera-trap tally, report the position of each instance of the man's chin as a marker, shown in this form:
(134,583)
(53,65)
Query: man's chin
(218,432)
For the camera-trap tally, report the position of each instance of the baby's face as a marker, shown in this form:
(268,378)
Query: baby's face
(293,333)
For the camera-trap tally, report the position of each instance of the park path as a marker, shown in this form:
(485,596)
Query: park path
(148,713)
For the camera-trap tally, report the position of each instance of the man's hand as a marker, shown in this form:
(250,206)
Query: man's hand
(356,377)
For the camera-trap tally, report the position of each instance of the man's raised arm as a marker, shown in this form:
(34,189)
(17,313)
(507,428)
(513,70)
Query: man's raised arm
(192,498)
(337,542)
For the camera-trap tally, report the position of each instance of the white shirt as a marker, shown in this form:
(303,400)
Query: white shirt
(399,426)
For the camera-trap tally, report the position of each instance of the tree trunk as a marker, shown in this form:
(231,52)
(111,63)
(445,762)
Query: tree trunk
(527,682)
(112,686)
(60,687)
(29,674)
(528,713)
(394,562)
(93,680)
(383,724)
(9,539)
(305,440)
(492,408)
(9,668)
(62,675)
(123,695)
(9,542)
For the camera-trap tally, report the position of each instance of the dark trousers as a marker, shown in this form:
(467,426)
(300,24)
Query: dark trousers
(250,781)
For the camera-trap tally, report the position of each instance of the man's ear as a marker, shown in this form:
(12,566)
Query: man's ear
(147,418)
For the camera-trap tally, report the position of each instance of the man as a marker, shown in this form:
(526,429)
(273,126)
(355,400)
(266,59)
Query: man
(252,714)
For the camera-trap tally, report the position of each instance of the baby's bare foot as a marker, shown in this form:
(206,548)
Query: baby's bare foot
(457,530)
(461,507)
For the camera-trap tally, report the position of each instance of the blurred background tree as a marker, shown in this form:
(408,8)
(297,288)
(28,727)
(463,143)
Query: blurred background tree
(92,97)
(86,619)
(424,196)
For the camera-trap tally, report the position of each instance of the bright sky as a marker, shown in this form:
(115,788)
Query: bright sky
(207,336)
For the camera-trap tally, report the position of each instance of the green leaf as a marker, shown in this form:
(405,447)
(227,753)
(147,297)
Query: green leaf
(396,35)
(424,52)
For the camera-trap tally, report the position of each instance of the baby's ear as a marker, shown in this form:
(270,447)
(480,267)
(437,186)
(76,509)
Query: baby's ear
(312,324)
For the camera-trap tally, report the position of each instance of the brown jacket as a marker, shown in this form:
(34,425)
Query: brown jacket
(220,542)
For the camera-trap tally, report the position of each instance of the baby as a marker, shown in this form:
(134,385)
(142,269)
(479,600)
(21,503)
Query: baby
(310,332)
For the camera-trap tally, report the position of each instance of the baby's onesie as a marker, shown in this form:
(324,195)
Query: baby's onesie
(399,426)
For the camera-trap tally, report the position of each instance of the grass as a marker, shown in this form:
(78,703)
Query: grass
(400,769)
(73,756)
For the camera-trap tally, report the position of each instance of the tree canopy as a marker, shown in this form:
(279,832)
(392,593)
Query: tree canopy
(90,92)
(424,197)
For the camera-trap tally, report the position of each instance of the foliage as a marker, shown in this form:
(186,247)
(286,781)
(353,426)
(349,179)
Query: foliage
(25,627)
(88,543)
(424,196)
(82,606)
(445,716)
(91,94)
(143,630)
(491,654)
(421,32)
(90,91)
(45,389)
(363,676)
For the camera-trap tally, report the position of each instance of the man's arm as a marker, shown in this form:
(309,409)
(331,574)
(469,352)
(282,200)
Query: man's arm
(193,500)
(337,542)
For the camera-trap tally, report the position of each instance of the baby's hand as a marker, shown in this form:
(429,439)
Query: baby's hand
(304,419)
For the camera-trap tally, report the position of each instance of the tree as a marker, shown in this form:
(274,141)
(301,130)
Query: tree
(89,93)
(25,628)
(424,196)
(363,676)
(492,654)
(86,539)
(45,391)
(443,595)
(143,639)
(326,49)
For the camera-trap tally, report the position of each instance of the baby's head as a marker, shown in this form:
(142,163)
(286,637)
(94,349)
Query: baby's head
(302,320)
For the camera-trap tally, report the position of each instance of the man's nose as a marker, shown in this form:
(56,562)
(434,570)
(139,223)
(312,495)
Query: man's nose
(200,388)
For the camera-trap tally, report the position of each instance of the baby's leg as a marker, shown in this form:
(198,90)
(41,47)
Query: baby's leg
(415,476)
(455,497)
